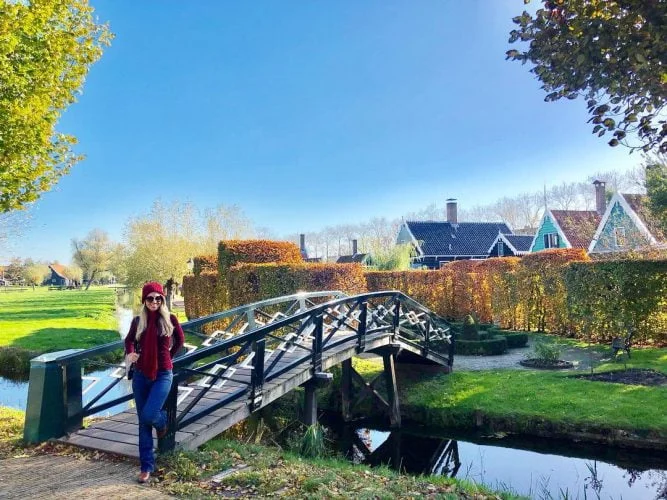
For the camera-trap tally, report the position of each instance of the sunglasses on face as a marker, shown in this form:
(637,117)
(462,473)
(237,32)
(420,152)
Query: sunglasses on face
(154,298)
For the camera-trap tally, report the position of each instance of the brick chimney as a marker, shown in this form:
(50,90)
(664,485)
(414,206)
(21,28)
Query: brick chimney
(302,245)
(600,197)
(354,247)
(452,216)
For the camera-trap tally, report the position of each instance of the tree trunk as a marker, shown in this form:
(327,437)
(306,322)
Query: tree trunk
(90,280)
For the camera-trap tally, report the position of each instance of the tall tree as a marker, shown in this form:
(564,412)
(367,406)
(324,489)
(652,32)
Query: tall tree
(612,53)
(92,254)
(46,49)
(656,189)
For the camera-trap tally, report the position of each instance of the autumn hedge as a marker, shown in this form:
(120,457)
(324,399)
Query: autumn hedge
(606,299)
(232,252)
(559,291)
(248,283)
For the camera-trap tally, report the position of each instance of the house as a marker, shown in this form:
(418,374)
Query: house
(355,257)
(304,252)
(626,225)
(437,242)
(510,245)
(570,228)
(58,277)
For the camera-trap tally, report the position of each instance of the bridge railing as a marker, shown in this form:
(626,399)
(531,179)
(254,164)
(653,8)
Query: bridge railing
(55,394)
(238,368)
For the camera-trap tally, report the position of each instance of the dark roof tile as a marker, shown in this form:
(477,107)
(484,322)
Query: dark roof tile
(462,239)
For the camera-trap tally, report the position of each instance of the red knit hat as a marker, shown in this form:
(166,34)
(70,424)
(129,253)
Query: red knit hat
(151,287)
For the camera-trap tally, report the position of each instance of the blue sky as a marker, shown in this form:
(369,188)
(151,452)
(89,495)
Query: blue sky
(308,114)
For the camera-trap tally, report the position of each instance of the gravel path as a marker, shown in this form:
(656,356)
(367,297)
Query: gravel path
(580,358)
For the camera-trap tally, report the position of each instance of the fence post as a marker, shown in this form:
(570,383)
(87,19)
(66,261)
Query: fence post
(257,374)
(397,315)
(54,397)
(317,343)
(168,441)
(361,331)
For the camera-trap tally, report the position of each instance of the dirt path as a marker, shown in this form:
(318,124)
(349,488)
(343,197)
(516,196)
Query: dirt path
(58,477)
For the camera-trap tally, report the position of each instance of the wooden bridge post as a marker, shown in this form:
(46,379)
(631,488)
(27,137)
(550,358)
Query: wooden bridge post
(361,330)
(346,390)
(319,378)
(54,397)
(257,375)
(168,441)
(397,315)
(310,404)
(392,388)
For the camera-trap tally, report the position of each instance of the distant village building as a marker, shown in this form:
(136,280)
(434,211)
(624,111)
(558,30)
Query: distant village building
(511,245)
(437,243)
(355,257)
(570,228)
(58,277)
(627,224)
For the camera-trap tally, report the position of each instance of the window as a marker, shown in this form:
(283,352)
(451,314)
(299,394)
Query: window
(619,236)
(501,249)
(551,240)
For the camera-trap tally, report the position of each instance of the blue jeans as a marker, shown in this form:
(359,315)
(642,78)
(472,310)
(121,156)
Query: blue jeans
(149,396)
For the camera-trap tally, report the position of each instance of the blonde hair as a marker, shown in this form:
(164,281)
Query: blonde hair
(164,321)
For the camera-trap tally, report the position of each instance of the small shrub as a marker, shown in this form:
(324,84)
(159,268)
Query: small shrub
(547,352)
(514,339)
(312,443)
(470,330)
(490,347)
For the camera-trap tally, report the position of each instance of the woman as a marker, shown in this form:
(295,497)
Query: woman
(154,338)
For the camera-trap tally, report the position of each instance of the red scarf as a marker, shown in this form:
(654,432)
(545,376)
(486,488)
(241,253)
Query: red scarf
(149,346)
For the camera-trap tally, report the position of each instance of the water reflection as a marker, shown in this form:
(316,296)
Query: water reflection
(533,472)
(14,393)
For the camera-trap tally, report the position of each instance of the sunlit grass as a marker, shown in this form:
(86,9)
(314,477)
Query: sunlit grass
(43,320)
(533,395)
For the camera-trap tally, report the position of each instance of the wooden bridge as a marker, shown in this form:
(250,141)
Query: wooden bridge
(254,355)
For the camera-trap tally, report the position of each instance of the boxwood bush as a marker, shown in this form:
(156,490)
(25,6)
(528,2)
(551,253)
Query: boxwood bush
(514,339)
(489,347)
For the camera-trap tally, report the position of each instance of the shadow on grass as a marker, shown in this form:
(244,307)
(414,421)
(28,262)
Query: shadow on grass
(15,358)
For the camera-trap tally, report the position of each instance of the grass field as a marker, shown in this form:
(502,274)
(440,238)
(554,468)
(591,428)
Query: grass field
(42,320)
(525,396)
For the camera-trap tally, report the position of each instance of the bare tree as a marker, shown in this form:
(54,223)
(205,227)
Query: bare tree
(93,253)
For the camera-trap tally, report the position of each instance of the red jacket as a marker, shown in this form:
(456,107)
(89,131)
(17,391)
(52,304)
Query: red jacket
(167,347)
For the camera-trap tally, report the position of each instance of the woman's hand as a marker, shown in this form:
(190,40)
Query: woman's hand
(131,358)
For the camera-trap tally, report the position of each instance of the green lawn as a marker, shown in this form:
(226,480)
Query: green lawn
(42,320)
(535,398)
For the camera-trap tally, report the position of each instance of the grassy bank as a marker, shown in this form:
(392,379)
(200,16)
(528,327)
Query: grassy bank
(260,471)
(38,321)
(540,402)
(43,320)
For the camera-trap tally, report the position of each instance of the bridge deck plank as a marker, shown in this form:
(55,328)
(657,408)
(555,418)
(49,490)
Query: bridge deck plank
(118,433)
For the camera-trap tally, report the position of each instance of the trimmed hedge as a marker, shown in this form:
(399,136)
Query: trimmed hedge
(203,295)
(248,283)
(606,298)
(514,339)
(233,252)
(490,347)
(205,264)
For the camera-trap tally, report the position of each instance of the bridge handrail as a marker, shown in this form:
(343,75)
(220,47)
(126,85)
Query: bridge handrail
(204,352)
(195,323)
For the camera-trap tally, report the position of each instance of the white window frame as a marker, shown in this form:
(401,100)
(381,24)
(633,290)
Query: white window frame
(620,231)
(551,240)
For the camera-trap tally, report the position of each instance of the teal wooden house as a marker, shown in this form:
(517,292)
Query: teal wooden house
(565,229)
(626,225)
